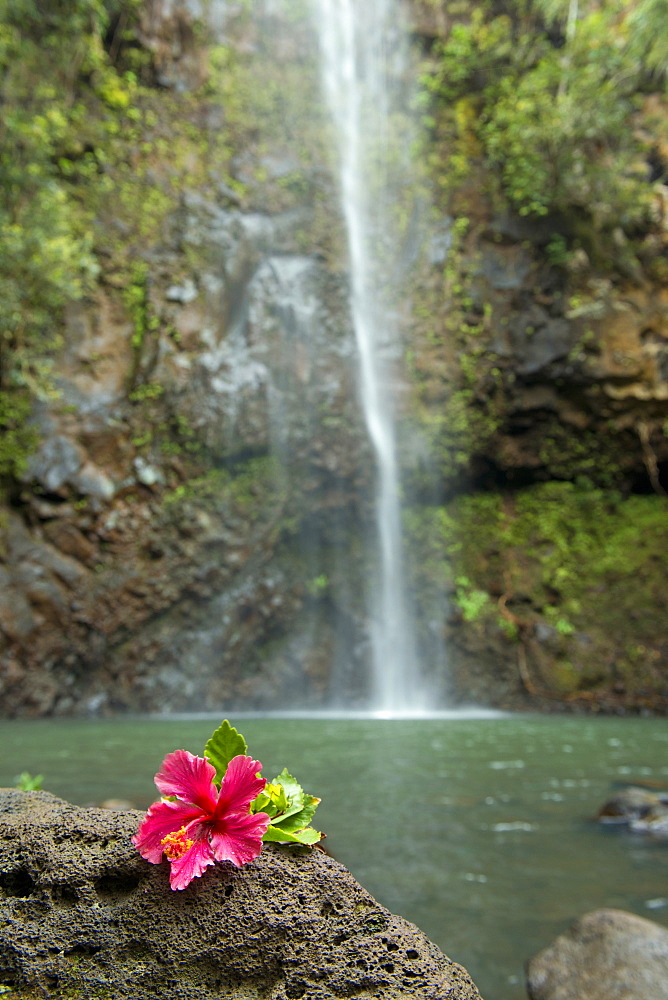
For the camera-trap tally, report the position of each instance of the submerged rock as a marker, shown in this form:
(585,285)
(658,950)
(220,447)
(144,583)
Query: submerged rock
(641,810)
(605,955)
(655,823)
(628,804)
(80,910)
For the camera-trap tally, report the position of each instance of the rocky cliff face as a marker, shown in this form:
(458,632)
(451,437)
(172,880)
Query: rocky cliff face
(540,356)
(202,450)
(180,538)
(549,536)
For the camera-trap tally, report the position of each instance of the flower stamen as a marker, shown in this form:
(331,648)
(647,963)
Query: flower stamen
(176,844)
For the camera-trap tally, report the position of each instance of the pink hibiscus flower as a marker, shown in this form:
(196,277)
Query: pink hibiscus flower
(202,825)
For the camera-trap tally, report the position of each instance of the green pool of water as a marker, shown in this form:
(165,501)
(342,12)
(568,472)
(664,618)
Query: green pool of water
(479,830)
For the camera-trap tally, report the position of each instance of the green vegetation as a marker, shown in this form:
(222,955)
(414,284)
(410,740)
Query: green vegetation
(546,136)
(273,120)
(93,162)
(95,155)
(563,534)
(17,436)
(45,246)
(552,98)
(26,782)
(59,91)
(291,808)
(459,386)
(251,488)
(471,601)
(318,586)
(584,563)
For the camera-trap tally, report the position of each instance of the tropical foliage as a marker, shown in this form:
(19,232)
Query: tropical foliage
(554,97)
(60,93)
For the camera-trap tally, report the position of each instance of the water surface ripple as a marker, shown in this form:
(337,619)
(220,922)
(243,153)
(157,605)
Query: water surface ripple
(476,828)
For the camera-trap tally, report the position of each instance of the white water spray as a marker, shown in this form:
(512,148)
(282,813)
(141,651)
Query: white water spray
(362,49)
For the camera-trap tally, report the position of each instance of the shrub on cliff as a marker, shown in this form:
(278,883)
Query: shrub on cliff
(54,69)
(550,97)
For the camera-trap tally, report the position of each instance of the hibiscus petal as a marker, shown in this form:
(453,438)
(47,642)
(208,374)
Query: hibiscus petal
(240,839)
(188,777)
(162,819)
(240,785)
(191,865)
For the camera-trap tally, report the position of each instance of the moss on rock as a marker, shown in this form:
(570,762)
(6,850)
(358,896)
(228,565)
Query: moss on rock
(564,580)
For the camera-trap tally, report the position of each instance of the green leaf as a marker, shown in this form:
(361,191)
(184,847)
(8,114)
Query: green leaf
(271,801)
(294,793)
(300,820)
(225,744)
(291,810)
(27,782)
(308,837)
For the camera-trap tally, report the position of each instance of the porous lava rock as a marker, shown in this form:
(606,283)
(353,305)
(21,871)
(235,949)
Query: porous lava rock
(606,955)
(81,914)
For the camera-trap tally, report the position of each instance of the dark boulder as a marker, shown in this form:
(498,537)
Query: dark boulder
(81,914)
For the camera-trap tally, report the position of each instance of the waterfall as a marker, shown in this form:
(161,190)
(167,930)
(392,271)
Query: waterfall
(362,48)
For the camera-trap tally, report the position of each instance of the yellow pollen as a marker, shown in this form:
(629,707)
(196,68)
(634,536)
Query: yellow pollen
(176,844)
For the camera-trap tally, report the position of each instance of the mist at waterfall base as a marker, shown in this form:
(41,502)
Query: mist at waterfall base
(376,659)
(479,831)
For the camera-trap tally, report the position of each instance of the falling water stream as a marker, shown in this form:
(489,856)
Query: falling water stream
(362,55)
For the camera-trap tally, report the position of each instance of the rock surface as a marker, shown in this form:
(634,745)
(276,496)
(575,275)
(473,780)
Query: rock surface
(631,804)
(191,530)
(82,913)
(605,955)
